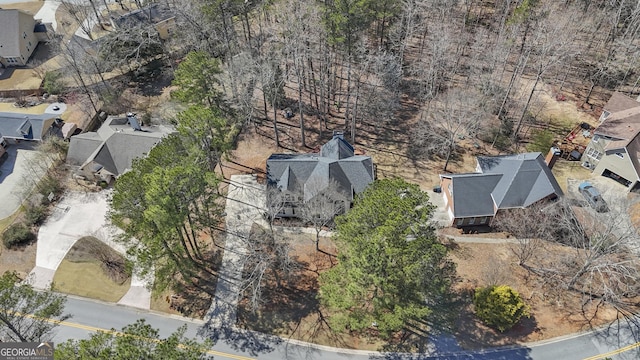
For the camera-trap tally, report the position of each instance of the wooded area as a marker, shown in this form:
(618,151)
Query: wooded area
(452,69)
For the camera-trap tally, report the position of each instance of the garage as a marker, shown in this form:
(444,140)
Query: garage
(610,174)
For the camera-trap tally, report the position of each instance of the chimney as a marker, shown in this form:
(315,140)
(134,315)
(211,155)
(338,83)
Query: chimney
(552,156)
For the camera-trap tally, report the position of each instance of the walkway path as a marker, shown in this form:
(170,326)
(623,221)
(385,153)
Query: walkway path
(245,205)
(80,214)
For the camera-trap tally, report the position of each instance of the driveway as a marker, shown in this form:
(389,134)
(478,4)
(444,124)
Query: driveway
(440,217)
(47,13)
(19,175)
(80,214)
(616,197)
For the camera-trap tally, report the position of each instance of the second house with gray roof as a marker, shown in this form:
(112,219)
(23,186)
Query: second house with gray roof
(499,183)
(110,151)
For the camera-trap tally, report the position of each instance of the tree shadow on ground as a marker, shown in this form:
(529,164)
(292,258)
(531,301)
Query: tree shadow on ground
(152,78)
(193,298)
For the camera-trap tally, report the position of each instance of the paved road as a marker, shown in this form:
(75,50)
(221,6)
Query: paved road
(89,315)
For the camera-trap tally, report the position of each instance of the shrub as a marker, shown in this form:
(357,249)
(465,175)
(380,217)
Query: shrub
(53,83)
(49,184)
(16,235)
(35,214)
(499,306)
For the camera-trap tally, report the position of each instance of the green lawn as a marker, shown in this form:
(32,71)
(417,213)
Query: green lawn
(87,279)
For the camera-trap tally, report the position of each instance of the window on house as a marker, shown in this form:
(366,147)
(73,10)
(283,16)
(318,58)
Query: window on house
(620,155)
(24,35)
(472,221)
(483,220)
(459,222)
(592,153)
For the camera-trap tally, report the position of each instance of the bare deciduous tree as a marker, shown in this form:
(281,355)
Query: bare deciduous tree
(322,203)
(452,117)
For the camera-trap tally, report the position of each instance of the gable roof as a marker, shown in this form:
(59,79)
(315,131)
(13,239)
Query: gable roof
(623,121)
(510,181)
(10,31)
(619,102)
(115,145)
(310,173)
(153,13)
(25,126)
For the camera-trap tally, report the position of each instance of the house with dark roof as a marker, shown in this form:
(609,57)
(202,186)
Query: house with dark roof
(19,36)
(301,177)
(615,145)
(161,16)
(109,152)
(499,183)
(18,126)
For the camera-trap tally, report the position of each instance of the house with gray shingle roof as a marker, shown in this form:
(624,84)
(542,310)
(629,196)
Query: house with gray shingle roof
(301,177)
(19,126)
(499,183)
(109,152)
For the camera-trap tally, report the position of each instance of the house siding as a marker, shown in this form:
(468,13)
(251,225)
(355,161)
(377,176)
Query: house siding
(621,166)
(595,146)
(445,184)
(27,39)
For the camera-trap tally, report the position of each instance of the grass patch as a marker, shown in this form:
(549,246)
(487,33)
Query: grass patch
(87,279)
(564,170)
(159,302)
(93,269)
(4,223)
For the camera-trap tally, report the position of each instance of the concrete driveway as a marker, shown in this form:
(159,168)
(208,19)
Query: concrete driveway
(47,13)
(440,218)
(76,215)
(19,175)
(618,200)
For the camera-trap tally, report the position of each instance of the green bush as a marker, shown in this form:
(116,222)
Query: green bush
(499,306)
(16,235)
(53,83)
(35,214)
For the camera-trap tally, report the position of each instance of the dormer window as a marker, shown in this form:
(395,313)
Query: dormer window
(605,115)
(620,155)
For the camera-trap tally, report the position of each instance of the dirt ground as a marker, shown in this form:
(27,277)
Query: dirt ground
(552,313)
(31,7)
(294,311)
(22,260)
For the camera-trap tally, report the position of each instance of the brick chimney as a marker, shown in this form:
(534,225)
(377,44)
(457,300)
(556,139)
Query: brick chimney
(552,156)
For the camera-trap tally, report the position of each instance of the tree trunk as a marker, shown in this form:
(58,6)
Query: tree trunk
(300,109)
(526,107)
(275,125)
(348,99)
